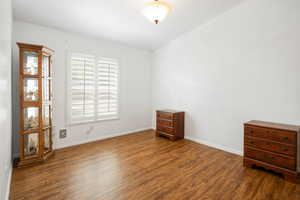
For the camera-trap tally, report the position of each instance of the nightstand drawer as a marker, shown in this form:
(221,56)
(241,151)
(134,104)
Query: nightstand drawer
(271,134)
(166,129)
(164,123)
(170,136)
(270,146)
(272,158)
(164,115)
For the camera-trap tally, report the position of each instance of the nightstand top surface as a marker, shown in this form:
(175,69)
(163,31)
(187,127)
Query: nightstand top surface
(287,127)
(170,111)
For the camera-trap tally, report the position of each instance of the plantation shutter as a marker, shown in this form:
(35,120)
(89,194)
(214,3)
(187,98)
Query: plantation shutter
(107,89)
(82,88)
(93,89)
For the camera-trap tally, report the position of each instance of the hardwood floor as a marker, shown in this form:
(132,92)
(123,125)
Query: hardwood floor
(142,166)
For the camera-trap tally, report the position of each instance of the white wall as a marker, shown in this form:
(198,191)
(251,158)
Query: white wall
(5,96)
(135,83)
(240,66)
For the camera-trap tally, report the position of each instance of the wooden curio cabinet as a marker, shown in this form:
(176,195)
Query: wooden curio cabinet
(35,86)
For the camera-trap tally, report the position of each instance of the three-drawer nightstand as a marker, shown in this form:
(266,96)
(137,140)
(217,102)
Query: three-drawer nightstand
(273,146)
(170,123)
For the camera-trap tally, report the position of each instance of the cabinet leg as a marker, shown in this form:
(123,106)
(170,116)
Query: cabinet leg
(291,177)
(247,163)
(157,134)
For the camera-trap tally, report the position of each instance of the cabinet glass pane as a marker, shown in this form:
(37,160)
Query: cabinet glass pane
(47,140)
(30,63)
(31,144)
(46,89)
(46,71)
(46,116)
(30,89)
(31,118)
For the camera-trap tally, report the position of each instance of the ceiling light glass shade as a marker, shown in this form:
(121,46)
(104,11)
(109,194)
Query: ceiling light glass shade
(156,11)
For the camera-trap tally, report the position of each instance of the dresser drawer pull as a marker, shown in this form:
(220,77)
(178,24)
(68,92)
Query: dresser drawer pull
(285,149)
(251,142)
(269,158)
(251,131)
(285,137)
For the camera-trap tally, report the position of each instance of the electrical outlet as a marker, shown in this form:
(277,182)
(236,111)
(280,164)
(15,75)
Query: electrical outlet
(62,133)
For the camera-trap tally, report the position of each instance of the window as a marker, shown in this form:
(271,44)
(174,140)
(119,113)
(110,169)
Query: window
(93,89)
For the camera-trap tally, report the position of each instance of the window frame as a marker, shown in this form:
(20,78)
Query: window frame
(69,92)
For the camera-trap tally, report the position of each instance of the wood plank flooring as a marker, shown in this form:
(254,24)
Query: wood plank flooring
(142,166)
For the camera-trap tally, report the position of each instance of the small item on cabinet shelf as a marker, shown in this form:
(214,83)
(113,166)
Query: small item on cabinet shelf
(31,95)
(31,148)
(170,123)
(30,69)
(31,123)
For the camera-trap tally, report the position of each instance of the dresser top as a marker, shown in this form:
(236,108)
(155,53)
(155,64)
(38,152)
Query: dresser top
(169,111)
(274,125)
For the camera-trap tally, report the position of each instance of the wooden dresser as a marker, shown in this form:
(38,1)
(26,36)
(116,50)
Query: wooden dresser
(274,147)
(170,123)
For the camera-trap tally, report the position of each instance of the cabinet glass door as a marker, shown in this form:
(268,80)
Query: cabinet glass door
(31,144)
(46,116)
(46,89)
(31,89)
(30,63)
(47,140)
(31,118)
(46,70)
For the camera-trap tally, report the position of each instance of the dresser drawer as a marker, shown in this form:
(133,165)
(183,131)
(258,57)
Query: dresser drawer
(271,146)
(168,130)
(271,158)
(164,123)
(171,136)
(271,134)
(164,115)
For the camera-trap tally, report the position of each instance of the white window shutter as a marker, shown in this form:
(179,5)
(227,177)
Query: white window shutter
(107,89)
(82,88)
(94,89)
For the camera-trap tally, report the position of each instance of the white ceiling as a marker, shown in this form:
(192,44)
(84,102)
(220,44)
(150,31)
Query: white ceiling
(120,20)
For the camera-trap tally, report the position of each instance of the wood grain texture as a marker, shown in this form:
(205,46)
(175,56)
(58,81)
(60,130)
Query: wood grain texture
(142,166)
(273,144)
(287,127)
(170,123)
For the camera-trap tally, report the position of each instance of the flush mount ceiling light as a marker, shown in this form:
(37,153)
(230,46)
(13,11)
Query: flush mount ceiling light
(156,10)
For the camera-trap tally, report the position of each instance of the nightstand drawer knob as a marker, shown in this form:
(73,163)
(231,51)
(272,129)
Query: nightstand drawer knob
(269,158)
